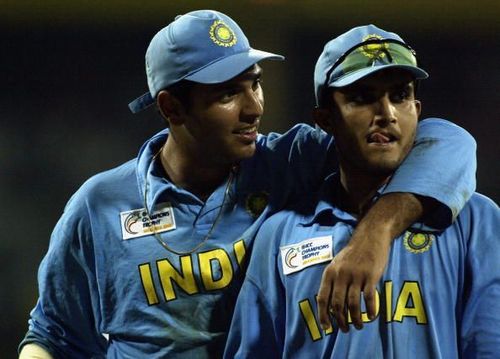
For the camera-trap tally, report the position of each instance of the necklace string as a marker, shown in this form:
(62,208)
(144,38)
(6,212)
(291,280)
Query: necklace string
(214,224)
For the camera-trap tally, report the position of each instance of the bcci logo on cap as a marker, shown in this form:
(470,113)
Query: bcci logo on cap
(222,35)
(374,51)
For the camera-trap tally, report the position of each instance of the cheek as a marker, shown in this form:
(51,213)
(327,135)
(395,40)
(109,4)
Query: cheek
(260,96)
(410,131)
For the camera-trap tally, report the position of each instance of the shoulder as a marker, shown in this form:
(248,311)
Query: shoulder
(107,186)
(480,208)
(300,133)
(439,127)
(479,220)
(283,225)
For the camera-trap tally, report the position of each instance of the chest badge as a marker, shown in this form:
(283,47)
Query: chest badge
(136,223)
(418,242)
(296,257)
(256,203)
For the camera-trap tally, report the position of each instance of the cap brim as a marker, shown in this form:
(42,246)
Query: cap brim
(358,75)
(216,72)
(230,66)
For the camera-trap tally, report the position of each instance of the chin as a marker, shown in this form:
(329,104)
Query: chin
(384,167)
(244,153)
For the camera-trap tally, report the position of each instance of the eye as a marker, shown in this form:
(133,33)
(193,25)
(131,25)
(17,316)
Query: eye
(361,98)
(228,94)
(257,83)
(400,95)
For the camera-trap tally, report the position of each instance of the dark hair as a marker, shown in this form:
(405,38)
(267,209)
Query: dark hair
(181,90)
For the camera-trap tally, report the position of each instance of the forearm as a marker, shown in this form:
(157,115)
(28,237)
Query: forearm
(442,166)
(392,214)
(34,351)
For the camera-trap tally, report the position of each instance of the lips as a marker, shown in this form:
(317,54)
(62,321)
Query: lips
(381,137)
(247,134)
(246,131)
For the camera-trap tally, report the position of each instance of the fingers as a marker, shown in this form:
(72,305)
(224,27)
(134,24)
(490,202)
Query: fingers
(354,306)
(323,298)
(369,294)
(338,303)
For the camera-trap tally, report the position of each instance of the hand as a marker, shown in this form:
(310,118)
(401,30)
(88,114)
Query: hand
(354,270)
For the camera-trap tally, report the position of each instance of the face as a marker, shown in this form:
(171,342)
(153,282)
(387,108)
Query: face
(220,125)
(375,126)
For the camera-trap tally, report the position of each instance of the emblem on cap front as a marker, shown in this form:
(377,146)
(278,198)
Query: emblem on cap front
(222,35)
(374,51)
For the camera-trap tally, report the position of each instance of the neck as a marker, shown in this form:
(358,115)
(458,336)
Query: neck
(191,172)
(358,189)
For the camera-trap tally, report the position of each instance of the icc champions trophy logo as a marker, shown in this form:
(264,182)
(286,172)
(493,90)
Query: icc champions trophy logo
(292,258)
(130,222)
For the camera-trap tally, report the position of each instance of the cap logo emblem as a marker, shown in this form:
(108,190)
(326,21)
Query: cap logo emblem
(222,35)
(374,51)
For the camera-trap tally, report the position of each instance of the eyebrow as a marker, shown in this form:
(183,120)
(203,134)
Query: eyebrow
(253,73)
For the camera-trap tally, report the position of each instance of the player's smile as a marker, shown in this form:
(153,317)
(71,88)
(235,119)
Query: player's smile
(248,134)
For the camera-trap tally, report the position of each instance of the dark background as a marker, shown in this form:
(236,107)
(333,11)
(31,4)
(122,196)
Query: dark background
(69,71)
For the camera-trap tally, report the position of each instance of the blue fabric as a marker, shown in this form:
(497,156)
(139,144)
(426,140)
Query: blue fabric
(443,299)
(149,301)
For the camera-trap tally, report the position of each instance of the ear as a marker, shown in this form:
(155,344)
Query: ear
(323,118)
(418,107)
(170,107)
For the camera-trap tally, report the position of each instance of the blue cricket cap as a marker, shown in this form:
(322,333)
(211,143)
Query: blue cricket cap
(358,53)
(203,46)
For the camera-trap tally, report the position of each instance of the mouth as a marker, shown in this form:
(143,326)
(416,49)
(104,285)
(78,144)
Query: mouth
(381,138)
(247,133)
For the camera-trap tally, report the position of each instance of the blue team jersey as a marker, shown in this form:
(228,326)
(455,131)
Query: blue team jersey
(439,296)
(109,288)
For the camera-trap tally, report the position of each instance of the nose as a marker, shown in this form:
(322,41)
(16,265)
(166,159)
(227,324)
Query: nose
(386,111)
(253,106)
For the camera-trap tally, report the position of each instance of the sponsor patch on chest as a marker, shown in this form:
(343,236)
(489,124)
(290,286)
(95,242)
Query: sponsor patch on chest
(137,222)
(298,256)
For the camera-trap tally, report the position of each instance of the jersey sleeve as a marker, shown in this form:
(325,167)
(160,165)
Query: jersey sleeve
(442,166)
(64,320)
(297,161)
(479,332)
(259,316)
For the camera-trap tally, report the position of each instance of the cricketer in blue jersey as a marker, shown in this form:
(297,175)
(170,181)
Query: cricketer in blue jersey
(439,296)
(148,258)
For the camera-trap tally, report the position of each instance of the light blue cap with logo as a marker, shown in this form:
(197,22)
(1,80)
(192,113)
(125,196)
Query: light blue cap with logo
(203,46)
(358,53)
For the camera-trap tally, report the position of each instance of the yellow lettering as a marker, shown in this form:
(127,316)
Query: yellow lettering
(410,290)
(148,284)
(184,279)
(240,252)
(388,301)
(364,315)
(216,260)
(312,324)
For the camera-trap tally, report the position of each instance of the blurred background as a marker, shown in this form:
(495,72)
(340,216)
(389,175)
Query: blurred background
(69,69)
